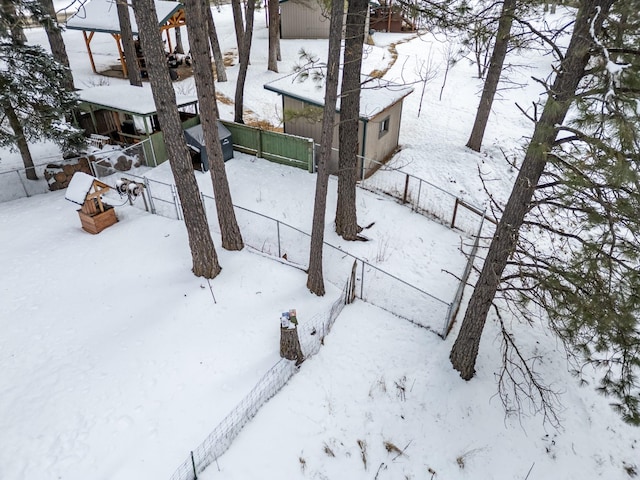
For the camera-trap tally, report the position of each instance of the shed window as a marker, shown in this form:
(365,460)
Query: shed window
(384,127)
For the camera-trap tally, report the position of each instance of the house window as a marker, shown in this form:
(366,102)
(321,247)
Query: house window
(384,127)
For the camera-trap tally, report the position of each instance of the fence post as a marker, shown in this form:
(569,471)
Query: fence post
(362,283)
(416,205)
(24,187)
(311,157)
(259,151)
(278,229)
(193,464)
(153,152)
(406,188)
(175,201)
(147,186)
(455,212)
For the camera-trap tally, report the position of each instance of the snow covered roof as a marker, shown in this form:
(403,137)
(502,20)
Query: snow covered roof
(376,94)
(128,99)
(102,16)
(78,188)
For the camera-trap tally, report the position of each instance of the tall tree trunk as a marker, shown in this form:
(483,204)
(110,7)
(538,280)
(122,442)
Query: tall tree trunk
(274,21)
(346,217)
(465,349)
(238,24)
(18,38)
(221,73)
(493,75)
(21,141)
(244,64)
(179,48)
(196,17)
(56,42)
(14,21)
(126,35)
(205,259)
(315,279)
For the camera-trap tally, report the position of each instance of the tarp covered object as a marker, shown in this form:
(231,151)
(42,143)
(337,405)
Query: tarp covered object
(195,138)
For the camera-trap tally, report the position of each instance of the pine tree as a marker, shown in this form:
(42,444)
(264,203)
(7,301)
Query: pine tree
(346,215)
(203,253)
(274,39)
(33,90)
(579,252)
(493,74)
(126,36)
(54,33)
(562,94)
(196,25)
(221,73)
(315,279)
(244,54)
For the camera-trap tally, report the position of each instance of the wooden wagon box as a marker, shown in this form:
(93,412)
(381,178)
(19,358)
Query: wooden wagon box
(99,221)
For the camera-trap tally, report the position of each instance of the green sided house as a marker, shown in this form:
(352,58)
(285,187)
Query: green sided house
(124,115)
(380,117)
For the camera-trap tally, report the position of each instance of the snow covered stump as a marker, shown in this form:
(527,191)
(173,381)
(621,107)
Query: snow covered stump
(87,191)
(289,341)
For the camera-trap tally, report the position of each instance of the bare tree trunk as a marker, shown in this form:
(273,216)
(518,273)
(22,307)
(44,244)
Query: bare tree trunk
(56,42)
(205,259)
(238,23)
(244,64)
(315,279)
(274,21)
(126,35)
(179,48)
(14,21)
(465,349)
(493,75)
(195,11)
(346,216)
(21,141)
(221,73)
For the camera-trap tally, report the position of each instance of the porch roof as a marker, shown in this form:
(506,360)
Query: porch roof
(102,16)
(128,99)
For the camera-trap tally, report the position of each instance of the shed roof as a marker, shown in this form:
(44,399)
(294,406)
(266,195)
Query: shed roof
(102,16)
(128,99)
(376,94)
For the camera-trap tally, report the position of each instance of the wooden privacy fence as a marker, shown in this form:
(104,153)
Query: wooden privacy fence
(273,146)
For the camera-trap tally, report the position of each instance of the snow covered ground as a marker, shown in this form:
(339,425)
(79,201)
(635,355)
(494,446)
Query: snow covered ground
(116,361)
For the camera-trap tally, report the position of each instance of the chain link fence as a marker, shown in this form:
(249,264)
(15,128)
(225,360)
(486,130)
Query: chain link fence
(278,239)
(424,197)
(14,183)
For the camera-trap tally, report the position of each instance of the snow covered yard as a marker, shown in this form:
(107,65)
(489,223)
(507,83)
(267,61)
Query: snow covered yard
(115,361)
(115,357)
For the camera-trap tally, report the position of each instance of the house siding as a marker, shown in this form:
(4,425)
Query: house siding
(377,148)
(380,147)
(303,19)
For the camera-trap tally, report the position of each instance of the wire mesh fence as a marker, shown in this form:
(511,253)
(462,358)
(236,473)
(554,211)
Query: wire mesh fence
(14,183)
(423,196)
(273,237)
(312,334)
